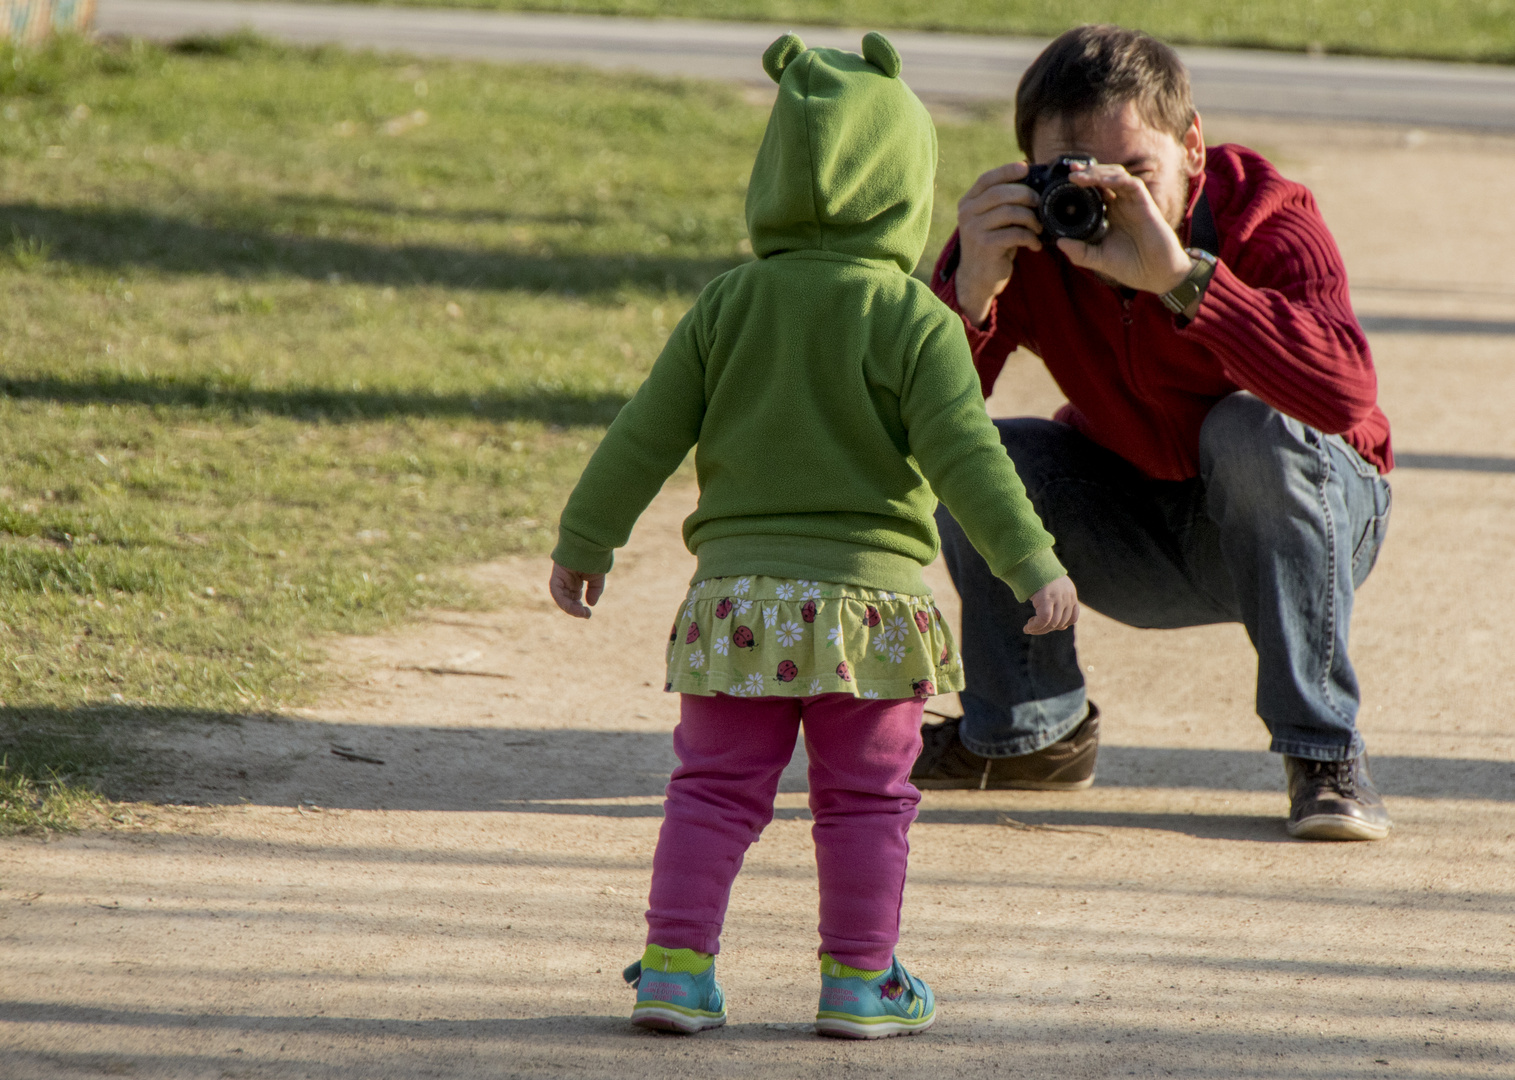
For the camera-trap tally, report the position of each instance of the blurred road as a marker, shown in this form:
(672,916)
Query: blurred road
(1245,82)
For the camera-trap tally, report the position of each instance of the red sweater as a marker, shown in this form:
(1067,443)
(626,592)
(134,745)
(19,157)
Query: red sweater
(1276,320)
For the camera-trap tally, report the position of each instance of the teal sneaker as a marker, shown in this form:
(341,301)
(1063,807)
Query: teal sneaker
(858,1004)
(676,991)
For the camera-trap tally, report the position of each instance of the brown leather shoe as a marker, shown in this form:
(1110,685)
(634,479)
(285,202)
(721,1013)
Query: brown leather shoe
(1334,800)
(1066,765)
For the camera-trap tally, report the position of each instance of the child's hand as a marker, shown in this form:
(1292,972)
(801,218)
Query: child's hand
(567,584)
(1056,606)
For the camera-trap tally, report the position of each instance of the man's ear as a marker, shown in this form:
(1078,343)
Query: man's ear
(1194,149)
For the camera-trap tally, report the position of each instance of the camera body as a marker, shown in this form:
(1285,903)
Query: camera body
(1067,209)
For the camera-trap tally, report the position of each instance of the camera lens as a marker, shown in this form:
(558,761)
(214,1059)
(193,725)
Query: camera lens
(1075,212)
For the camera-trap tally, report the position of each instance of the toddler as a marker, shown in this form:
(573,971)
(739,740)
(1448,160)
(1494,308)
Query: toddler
(829,395)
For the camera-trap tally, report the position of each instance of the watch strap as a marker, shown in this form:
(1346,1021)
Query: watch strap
(1186,292)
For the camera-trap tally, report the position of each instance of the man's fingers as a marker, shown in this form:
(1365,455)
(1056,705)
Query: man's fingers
(1005,215)
(1087,256)
(596,589)
(999,195)
(1038,625)
(1113,177)
(1008,173)
(1003,241)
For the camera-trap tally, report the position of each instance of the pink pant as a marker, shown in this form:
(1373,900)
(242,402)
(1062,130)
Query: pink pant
(731,752)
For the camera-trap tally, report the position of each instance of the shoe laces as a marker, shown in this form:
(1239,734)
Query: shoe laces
(1340,776)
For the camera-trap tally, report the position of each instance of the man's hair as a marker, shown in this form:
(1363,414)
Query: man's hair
(1092,70)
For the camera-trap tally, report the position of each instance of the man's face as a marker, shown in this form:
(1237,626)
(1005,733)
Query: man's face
(1122,137)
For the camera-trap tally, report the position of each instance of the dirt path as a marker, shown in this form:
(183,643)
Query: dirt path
(463,908)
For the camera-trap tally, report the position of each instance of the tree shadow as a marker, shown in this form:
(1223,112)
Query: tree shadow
(202,1042)
(225,759)
(325,203)
(563,407)
(1455,462)
(1417,324)
(116,239)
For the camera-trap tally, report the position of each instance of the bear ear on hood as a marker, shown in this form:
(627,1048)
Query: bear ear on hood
(881,54)
(777,56)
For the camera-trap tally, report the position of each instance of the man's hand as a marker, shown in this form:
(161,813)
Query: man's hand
(567,585)
(995,219)
(1141,250)
(1056,606)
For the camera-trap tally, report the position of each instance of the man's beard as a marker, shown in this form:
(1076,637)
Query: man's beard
(1175,219)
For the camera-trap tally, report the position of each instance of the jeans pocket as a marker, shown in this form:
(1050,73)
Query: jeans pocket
(1365,555)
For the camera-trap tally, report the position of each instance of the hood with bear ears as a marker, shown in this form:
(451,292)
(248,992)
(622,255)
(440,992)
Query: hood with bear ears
(848,160)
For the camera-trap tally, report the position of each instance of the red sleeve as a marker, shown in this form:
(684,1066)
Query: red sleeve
(1278,317)
(999,336)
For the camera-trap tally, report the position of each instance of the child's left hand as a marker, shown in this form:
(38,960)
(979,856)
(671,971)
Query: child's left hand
(567,585)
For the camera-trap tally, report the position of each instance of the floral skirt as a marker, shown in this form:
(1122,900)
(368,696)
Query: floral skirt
(767,637)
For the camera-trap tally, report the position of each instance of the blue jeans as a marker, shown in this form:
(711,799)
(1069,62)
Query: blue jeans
(1276,533)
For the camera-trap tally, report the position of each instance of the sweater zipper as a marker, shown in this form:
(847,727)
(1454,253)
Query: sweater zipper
(1126,323)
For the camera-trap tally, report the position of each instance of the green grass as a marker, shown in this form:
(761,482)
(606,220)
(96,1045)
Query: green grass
(1480,30)
(285,334)
(30,806)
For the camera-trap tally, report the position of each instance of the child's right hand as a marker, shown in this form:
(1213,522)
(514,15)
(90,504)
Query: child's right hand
(567,586)
(1056,606)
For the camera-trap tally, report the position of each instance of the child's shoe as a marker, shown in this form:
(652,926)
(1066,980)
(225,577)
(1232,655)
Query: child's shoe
(859,1004)
(676,991)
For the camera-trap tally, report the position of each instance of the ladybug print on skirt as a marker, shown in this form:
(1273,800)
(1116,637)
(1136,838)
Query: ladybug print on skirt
(821,639)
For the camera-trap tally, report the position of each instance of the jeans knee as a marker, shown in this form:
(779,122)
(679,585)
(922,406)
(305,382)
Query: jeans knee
(1038,448)
(1250,448)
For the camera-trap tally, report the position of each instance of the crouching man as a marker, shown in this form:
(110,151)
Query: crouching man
(1221,454)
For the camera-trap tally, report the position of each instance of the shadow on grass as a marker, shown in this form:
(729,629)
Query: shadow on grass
(563,407)
(118,238)
(302,202)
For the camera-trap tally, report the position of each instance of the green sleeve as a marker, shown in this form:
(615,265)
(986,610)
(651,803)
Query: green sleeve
(648,440)
(958,449)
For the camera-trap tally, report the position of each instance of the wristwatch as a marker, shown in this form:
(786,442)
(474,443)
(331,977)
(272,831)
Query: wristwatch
(1187,291)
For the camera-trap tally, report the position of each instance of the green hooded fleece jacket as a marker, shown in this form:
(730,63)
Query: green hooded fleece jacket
(828,391)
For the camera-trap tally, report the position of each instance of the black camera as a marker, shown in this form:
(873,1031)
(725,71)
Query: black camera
(1067,209)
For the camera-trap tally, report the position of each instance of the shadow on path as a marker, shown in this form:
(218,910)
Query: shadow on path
(1455,462)
(1416,324)
(249,1044)
(281,760)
